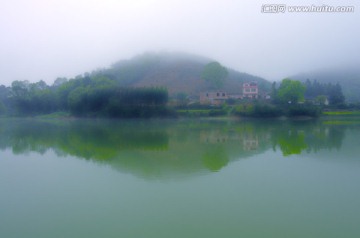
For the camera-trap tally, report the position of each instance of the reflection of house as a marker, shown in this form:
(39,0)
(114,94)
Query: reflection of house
(213,98)
(248,141)
(251,144)
(250,90)
(213,138)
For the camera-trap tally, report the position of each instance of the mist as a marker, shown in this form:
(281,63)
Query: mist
(43,40)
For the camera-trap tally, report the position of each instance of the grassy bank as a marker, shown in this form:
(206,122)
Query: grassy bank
(201,112)
(341,113)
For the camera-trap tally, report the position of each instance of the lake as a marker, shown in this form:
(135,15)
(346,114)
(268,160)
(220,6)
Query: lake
(179,178)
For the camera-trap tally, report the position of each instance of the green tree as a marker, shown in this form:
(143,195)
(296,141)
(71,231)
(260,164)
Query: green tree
(290,91)
(20,89)
(77,101)
(59,81)
(336,96)
(274,93)
(215,74)
(2,108)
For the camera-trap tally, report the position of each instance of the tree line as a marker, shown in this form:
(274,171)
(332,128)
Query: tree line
(318,91)
(294,98)
(98,95)
(94,95)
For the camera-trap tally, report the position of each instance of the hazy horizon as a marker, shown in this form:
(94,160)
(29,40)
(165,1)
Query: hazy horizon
(43,40)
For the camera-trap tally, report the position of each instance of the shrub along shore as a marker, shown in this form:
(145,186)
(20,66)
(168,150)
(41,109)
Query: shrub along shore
(98,96)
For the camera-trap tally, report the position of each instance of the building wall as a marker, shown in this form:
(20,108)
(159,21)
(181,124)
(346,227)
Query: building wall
(250,90)
(213,98)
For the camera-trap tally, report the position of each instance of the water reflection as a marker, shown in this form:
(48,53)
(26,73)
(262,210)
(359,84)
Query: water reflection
(313,136)
(169,148)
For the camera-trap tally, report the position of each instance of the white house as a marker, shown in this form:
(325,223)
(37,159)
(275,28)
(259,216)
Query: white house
(250,90)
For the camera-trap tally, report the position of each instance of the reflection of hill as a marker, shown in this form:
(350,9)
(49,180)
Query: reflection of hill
(167,148)
(158,148)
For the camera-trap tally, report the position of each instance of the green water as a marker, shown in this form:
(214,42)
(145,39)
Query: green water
(183,178)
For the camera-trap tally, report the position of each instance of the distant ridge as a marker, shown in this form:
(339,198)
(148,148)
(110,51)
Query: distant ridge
(178,72)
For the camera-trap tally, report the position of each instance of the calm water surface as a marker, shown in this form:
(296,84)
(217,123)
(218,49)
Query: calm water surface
(179,179)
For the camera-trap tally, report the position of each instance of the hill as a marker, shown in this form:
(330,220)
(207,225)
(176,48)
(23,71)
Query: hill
(138,87)
(347,77)
(178,72)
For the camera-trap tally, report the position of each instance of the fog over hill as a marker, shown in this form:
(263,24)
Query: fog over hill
(178,72)
(43,40)
(347,77)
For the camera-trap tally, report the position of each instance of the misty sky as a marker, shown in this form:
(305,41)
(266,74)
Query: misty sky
(46,39)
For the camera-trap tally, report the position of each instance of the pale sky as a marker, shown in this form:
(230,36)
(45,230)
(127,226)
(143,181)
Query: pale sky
(46,39)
